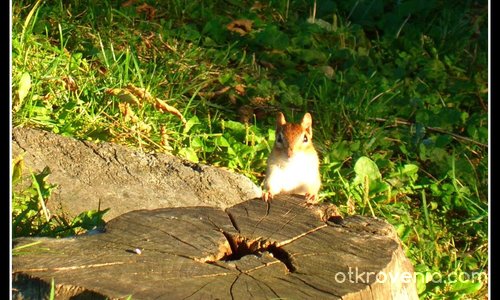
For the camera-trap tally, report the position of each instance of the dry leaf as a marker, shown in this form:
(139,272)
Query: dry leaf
(240,89)
(267,64)
(164,107)
(351,208)
(124,95)
(164,138)
(47,98)
(242,26)
(134,95)
(127,113)
(214,94)
(148,9)
(131,94)
(141,127)
(99,68)
(139,92)
(128,3)
(259,101)
(257,6)
(245,113)
(148,40)
(102,70)
(70,83)
(232,98)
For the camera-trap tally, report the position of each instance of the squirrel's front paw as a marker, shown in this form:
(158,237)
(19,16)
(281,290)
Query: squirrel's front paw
(311,199)
(267,196)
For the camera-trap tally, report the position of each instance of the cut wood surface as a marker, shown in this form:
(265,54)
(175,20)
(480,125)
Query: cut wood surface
(91,176)
(252,250)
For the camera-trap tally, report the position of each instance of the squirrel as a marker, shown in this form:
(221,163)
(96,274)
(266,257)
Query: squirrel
(293,165)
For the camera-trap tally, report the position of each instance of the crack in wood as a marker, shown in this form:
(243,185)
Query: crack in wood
(283,224)
(236,247)
(263,218)
(316,288)
(198,276)
(233,221)
(241,246)
(233,283)
(264,265)
(266,285)
(152,229)
(282,256)
(71,267)
(196,291)
(178,239)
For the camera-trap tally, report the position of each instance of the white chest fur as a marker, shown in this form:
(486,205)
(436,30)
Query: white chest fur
(297,174)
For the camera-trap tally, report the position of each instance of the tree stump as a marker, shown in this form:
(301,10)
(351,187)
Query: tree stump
(107,175)
(252,250)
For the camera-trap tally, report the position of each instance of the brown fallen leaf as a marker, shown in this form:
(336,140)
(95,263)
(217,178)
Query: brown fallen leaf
(47,98)
(124,95)
(70,83)
(245,114)
(148,10)
(164,138)
(98,67)
(134,95)
(351,208)
(216,93)
(259,101)
(240,89)
(148,40)
(257,6)
(131,94)
(164,107)
(141,127)
(128,3)
(232,98)
(139,92)
(242,26)
(127,113)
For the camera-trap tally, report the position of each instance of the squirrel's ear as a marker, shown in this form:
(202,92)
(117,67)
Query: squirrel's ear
(306,121)
(280,119)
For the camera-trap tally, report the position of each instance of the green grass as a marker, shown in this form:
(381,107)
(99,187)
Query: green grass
(398,92)
(30,216)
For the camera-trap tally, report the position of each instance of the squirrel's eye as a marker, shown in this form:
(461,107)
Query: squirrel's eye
(279,138)
(305,140)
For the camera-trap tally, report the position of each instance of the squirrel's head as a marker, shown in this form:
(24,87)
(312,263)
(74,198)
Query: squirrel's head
(293,138)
